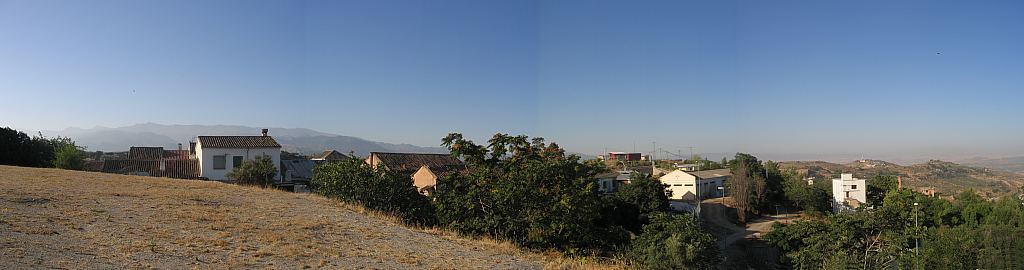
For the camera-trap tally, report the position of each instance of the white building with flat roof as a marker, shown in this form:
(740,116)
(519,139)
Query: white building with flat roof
(848,193)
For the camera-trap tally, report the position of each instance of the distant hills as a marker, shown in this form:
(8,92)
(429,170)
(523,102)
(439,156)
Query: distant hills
(946,177)
(300,140)
(1010,164)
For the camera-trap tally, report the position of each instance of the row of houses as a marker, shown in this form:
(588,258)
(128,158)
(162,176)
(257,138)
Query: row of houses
(212,157)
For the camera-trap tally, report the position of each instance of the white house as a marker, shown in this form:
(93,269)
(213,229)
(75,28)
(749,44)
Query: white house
(848,192)
(218,155)
(684,184)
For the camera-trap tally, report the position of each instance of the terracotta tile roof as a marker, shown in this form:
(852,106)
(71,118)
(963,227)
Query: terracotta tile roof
(145,153)
(329,155)
(174,168)
(410,162)
(238,142)
(176,154)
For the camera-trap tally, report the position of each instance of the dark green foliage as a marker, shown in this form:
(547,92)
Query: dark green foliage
(525,191)
(878,186)
(632,206)
(354,181)
(259,172)
(18,149)
(810,198)
(674,242)
(971,233)
(69,157)
(646,193)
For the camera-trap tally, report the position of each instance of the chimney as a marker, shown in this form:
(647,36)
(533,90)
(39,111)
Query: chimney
(179,146)
(265,132)
(192,148)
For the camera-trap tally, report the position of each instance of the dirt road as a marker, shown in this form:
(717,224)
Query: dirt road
(741,245)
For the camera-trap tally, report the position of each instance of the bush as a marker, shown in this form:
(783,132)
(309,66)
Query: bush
(18,149)
(675,242)
(259,172)
(632,206)
(525,191)
(354,181)
(69,157)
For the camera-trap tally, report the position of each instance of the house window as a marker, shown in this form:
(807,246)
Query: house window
(678,185)
(236,161)
(219,162)
(689,185)
(853,187)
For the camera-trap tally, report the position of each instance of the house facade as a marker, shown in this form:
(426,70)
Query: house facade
(848,193)
(424,169)
(688,185)
(219,155)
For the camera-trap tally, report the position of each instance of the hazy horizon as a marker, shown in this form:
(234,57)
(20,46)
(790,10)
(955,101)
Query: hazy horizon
(877,79)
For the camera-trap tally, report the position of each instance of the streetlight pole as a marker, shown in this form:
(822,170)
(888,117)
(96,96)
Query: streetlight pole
(917,243)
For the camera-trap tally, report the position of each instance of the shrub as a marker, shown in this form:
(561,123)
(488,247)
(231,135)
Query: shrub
(525,191)
(259,172)
(674,242)
(354,181)
(69,157)
(18,149)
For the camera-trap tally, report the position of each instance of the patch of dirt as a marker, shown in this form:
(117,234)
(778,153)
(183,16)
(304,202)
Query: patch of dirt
(53,218)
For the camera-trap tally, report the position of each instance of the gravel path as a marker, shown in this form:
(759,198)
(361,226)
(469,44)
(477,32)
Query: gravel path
(61,219)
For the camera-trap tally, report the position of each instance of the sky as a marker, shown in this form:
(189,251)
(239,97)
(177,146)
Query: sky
(864,78)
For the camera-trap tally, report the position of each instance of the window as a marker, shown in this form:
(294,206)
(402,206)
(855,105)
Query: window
(853,187)
(689,185)
(219,162)
(678,185)
(236,161)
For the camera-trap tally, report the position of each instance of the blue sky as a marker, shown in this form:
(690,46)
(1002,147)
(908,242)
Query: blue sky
(875,78)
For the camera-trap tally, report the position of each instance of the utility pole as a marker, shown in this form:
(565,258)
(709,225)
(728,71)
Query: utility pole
(654,152)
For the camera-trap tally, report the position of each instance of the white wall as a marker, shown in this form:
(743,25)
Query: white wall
(848,187)
(205,156)
(684,187)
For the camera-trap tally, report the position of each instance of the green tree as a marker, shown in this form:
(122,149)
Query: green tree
(647,193)
(632,206)
(878,186)
(675,242)
(525,191)
(69,157)
(259,172)
(354,181)
(810,198)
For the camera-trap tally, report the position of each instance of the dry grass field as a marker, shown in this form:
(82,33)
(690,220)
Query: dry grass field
(61,219)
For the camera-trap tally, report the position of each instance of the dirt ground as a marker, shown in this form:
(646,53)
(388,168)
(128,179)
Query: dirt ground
(741,245)
(61,219)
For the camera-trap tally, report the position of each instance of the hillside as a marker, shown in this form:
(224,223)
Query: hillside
(53,218)
(945,177)
(1010,164)
(292,139)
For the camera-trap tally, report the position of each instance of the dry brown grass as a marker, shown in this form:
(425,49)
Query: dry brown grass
(66,219)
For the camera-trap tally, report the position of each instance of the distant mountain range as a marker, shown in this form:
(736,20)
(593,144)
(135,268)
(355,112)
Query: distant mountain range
(946,177)
(299,140)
